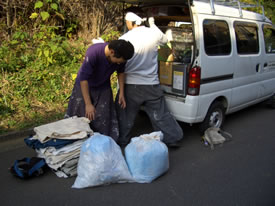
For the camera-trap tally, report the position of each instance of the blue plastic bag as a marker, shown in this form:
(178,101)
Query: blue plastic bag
(101,162)
(147,157)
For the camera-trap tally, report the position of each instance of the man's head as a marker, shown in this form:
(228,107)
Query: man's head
(133,20)
(120,51)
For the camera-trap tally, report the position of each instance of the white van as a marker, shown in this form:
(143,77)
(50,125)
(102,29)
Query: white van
(220,58)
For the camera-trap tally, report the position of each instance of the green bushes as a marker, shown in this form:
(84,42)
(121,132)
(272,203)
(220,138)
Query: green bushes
(37,74)
(15,54)
(36,77)
(41,52)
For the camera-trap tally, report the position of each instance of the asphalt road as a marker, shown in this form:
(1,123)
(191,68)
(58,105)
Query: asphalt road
(241,172)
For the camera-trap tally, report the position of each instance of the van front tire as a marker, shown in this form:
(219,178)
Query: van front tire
(214,117)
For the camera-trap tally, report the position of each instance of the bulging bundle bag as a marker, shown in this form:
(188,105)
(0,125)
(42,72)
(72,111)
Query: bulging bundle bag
(147,157)
(101,162)
(214,136)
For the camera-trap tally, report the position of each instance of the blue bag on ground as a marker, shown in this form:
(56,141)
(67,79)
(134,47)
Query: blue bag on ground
(28,167)
(101,162)
(147,157)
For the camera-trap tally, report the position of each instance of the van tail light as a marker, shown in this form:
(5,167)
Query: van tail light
(194,81)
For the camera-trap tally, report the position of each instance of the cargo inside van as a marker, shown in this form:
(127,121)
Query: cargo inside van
(175,56)
(173,19)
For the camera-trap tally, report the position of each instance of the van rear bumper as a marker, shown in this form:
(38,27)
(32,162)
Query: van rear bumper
(184,109)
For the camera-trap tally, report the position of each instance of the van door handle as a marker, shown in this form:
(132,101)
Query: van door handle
(265,64)
(257,67)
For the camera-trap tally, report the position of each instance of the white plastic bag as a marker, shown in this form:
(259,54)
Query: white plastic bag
(98,40)
(101,162)
(147,157)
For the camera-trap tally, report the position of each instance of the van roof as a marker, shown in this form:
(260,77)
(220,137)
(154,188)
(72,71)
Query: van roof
(204,7)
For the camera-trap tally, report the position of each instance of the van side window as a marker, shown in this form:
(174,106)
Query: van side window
(216,37)
(247,37)
(269,38)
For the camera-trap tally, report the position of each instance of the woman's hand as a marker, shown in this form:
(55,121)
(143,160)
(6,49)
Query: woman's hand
(90,112)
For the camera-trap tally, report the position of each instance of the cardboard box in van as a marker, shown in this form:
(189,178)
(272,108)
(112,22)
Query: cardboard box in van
(165,72)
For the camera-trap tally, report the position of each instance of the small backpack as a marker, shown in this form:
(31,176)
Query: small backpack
(28,167)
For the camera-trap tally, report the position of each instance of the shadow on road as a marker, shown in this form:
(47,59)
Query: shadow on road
(143,125)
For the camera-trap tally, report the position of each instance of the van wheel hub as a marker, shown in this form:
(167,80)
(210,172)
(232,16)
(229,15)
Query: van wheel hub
(215,119)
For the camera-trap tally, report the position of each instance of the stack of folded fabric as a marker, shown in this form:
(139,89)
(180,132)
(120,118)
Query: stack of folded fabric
(59,143)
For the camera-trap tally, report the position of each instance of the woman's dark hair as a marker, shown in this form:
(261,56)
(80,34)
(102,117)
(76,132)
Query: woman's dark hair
(122,49)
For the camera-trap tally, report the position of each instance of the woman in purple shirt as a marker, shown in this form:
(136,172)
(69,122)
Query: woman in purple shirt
(92,94)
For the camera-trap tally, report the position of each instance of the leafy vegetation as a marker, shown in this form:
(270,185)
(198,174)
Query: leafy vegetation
(36,77)
(40,58)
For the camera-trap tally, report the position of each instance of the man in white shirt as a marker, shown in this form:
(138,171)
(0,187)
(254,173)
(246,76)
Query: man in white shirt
(142,86)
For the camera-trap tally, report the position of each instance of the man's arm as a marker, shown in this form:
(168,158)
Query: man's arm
(89,107)
(162,37)
(121,80)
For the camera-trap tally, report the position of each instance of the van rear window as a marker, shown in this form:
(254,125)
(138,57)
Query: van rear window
(216,37)
(269,38)
(247,37)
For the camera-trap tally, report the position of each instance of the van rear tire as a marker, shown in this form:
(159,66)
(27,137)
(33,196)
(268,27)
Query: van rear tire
(214,117)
